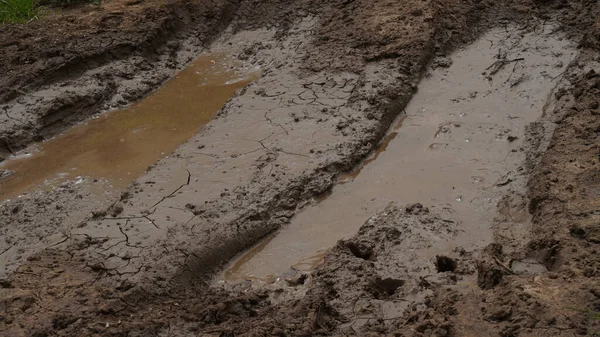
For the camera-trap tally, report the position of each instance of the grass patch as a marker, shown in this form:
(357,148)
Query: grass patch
(15,11)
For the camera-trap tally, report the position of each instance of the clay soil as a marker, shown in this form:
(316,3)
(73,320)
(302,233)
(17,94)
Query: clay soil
(71,267)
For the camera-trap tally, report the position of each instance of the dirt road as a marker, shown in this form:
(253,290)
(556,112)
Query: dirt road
(473,215)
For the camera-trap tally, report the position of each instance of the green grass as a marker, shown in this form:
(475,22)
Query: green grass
(595,316)
(591,314)
(15,11)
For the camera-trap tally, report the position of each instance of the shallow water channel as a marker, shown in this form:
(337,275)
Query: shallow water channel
(119,145)
(462,134)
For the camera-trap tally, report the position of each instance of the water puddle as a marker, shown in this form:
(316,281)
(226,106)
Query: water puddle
(528,267)
(461,136)
(119,146)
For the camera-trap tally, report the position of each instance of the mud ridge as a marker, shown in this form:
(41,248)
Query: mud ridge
(105,59)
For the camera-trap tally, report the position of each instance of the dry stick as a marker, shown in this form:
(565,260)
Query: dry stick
(151,221)
(61,241)
(7,249)
(501,63)
(505,267)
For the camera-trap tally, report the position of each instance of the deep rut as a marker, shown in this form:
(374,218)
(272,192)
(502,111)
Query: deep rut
(459,148)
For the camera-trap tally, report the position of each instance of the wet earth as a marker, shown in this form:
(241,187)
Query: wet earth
(256,168)
(456,145)
(119,145)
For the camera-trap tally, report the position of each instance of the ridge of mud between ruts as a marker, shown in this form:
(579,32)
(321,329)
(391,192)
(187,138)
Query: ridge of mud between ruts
(70,65)
(61,292)
(328,48)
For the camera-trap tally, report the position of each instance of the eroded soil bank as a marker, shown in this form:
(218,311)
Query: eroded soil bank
(334,77)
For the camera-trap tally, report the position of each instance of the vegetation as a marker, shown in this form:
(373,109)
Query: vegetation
(595,315)
(18,10)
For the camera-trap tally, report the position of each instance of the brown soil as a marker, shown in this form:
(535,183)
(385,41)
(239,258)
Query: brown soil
(72,287)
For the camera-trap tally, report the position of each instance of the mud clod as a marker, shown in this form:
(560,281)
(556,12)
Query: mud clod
(490,270)
(501,314)
(5,283)
(296,280)
(416,209)
(62,322)
(359,249)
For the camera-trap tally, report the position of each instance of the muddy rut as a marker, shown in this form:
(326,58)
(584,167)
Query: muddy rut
(456,147)
(413,168)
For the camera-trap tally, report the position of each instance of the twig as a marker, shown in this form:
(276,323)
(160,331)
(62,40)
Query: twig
(498,65)
(505,267)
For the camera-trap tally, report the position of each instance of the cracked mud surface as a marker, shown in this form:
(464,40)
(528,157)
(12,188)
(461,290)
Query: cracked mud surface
(335,74)
(117,147)
(277,144)
(458,146)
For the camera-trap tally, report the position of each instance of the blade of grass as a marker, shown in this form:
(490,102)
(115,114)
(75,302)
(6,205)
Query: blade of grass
(15,11)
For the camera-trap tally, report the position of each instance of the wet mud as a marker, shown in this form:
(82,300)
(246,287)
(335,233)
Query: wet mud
(274,146)
(457,147)
(466,211)
(118,146)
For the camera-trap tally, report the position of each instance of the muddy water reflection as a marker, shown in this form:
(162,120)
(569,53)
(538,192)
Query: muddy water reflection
(118,146)
(455,145)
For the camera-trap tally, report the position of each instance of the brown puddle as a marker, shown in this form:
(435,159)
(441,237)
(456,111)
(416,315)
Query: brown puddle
(233,272)
(453,144)
(237,271)
(347,177)
(119,146)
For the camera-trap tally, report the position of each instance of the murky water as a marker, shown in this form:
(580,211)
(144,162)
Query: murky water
(118,146)
(462,134)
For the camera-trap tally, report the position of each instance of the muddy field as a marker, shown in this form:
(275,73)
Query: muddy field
(301,168)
